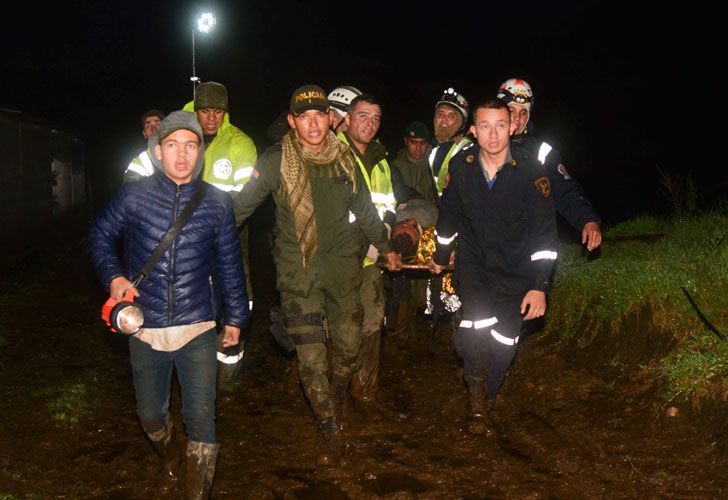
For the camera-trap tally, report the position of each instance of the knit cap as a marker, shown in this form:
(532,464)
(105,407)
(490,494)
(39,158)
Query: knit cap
(211,95)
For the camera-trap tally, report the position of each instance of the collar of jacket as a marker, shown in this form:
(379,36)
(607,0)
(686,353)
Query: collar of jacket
(168,185)
(520,138)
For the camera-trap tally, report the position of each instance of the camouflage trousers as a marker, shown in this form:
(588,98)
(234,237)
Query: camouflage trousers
(303,316)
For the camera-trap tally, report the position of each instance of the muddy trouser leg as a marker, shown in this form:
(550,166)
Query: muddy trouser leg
(300,315)
(344,314)
(152,375)
(418,291)
(231,358)
(365,381)
(152,378)
(393,294)
(196,373)
(471,345)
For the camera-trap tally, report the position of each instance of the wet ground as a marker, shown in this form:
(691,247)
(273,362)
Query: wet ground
(559,431)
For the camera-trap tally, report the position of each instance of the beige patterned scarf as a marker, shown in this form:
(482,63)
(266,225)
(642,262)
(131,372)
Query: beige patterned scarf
(297,184)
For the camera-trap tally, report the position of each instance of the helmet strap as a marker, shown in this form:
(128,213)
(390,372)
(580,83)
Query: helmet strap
(336,128)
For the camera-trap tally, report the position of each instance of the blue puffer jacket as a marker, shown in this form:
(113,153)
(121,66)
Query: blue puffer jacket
(178,290)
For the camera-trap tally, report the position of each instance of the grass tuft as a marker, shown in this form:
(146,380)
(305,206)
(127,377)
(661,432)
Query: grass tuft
(70,402)
(593,298)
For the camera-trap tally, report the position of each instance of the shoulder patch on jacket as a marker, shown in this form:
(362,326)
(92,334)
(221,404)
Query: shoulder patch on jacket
(222,168)
(543,185)
(470,159)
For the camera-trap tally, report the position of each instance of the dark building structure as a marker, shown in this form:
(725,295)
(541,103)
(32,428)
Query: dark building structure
(42,182)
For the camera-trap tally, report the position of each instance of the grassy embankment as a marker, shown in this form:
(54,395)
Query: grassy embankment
(625,313)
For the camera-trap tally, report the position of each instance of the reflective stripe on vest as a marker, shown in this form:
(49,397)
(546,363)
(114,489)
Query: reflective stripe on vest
(145,169)
(242,173)
(228,187)
(379,184)
(380,187)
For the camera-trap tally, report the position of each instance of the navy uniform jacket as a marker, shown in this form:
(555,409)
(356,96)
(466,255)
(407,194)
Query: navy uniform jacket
(506,234)
(569,198)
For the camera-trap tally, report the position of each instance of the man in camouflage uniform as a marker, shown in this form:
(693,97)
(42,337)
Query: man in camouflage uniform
(316,183)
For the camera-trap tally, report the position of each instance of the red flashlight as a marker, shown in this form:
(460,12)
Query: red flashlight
(124,315)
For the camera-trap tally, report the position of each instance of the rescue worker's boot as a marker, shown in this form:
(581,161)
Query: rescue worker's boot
(166,445)
(365,381)
(201,459)
(477,422)
(333,448)
(339,385)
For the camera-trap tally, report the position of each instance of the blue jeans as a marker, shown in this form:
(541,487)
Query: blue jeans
(196,365)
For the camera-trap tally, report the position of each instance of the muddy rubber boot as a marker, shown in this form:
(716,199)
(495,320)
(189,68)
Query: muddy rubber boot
(201,459)
(339,385)
(477,422)
(369,409)
(365,381)
(489,404)
(333,449)
(167,447)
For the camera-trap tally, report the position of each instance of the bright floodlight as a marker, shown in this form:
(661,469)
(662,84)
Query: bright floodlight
(206,22)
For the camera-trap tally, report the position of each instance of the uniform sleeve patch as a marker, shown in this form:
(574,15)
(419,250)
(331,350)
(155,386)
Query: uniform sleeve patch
(562,170)
(543,185)
(222,169)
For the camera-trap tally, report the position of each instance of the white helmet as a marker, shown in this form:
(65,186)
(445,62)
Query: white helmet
(341,97)
(518,91)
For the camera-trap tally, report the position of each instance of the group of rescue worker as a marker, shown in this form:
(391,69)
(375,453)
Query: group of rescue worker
(337,191)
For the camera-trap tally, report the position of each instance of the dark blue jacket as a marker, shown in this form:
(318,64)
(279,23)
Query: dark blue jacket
(506,235)
(178,290)
(569,198)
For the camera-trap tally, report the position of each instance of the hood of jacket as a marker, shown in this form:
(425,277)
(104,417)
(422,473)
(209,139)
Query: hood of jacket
(153,142)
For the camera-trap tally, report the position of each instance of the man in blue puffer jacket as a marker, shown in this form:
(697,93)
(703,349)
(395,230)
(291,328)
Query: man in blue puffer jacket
(179,327)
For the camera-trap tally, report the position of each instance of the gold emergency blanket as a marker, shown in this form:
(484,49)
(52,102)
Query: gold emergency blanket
(425,252)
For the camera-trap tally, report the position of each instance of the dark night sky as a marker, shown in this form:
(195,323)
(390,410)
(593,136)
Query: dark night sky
(606,75)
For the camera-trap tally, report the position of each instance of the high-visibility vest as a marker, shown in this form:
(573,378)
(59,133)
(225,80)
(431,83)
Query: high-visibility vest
(441,174)
(230,157)
(141,165)
(380,187)
(379,183)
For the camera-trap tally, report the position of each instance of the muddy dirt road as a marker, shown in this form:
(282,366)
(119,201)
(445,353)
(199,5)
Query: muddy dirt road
(559,431)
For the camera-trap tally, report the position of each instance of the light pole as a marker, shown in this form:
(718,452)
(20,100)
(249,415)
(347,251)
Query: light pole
(205,23)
